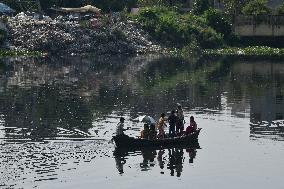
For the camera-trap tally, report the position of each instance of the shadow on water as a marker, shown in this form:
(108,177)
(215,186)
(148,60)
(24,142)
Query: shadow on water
(172,158)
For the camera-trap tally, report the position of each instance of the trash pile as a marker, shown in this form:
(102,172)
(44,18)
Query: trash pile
(69,37)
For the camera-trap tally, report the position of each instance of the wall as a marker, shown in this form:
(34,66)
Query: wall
(269,25)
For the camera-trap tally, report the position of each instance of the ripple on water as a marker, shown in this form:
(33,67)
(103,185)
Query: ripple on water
(41,161)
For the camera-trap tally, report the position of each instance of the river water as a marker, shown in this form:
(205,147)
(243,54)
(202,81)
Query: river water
(58,115)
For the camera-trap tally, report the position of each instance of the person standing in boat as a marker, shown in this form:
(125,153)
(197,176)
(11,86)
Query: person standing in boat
(161,126)
(120,127)
(172,119)
(180,120)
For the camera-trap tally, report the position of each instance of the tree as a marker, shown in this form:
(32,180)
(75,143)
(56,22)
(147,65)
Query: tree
(280,10)
(233,7)
(256,7)
(218,21)
(200,6)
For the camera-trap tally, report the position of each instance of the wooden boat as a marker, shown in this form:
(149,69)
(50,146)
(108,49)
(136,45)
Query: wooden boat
(130,142)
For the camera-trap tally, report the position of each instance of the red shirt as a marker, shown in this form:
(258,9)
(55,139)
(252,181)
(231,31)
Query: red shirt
(191,128)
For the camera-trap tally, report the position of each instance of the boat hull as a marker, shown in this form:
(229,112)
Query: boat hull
(129,142)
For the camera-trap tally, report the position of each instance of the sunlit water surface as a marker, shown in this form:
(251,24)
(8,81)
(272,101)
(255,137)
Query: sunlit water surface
(58,115)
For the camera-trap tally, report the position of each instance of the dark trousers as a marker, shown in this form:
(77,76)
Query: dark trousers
(172,132)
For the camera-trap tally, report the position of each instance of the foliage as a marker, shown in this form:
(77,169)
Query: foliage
(200,6)
(256,7)
(150,3)
(232,7)
(280,9)
(176,29)
(218,21)
(247,51)
(191,50)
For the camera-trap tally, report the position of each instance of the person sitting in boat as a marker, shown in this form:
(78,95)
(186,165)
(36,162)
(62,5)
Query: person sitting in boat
(120,127)
(192,126)
(172,119)
(152,132)
(180,120)
(161,126)
(145,131)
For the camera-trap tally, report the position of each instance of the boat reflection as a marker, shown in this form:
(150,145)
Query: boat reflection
(171,158)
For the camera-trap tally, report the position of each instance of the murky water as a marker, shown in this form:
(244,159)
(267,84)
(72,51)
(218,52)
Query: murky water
(58,115)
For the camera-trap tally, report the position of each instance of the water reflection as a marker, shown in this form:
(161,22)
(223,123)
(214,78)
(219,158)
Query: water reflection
(263,83)
(66,97)
(81,98)
(172,159)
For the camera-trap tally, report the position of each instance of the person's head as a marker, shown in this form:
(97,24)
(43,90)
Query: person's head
(122,119)
(179,106)
(163,115)
(173,112)
(191,118)
(146,126)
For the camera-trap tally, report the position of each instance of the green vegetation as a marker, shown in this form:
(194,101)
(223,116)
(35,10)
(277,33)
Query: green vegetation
(280,10)
(256,7)
(200,6)
(247,51)
(179,30)
(219,22)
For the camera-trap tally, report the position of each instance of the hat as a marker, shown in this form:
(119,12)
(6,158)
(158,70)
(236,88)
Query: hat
(178,104)
(122,118)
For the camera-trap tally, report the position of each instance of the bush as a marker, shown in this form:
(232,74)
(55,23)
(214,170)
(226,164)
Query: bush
(200,6)
(280,10)
(178,30)
(256,7)
(209,38)
(220,23)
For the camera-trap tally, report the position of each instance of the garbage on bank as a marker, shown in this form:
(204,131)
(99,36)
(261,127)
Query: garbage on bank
(78,30)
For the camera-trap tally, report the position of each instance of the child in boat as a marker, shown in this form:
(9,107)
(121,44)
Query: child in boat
(152,132)
(172,119)
(180,120)
(192,126)
(145,131)
(161,126)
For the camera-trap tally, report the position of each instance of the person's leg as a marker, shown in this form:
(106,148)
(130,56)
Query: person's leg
(172,131)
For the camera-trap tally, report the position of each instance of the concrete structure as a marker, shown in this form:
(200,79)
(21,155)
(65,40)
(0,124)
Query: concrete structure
(261,26)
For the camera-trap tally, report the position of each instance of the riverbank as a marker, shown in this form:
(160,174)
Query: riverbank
(57,36)
(154,30)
